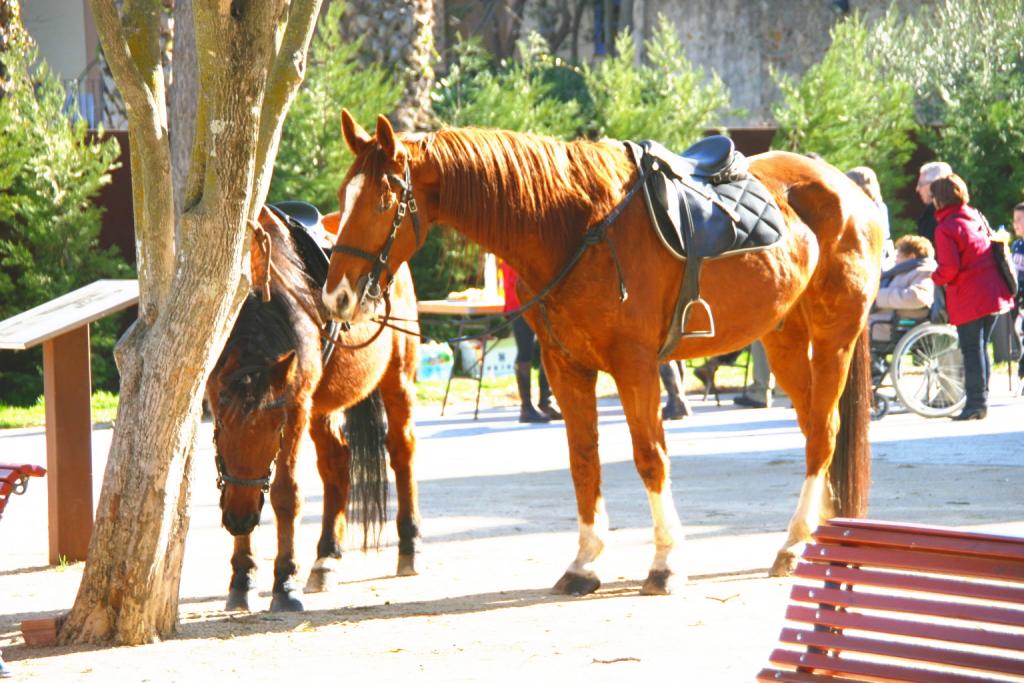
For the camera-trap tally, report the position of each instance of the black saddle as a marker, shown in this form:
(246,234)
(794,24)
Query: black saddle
(703,204)
(303,213)
(303,222)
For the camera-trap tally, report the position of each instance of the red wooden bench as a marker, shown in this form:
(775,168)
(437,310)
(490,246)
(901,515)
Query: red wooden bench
(14,479)
(904,602)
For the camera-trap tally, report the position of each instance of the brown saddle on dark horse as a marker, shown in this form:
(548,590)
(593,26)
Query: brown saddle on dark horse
(704,204)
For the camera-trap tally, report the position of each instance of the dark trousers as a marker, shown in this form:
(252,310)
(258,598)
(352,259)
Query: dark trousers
(974,337)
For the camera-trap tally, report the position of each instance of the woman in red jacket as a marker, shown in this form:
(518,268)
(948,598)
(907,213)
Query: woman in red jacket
(975,291)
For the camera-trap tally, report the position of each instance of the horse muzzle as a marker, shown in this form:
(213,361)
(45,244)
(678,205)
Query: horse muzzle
(240,525)
(340,303)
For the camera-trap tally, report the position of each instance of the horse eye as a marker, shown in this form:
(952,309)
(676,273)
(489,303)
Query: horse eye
(246,380)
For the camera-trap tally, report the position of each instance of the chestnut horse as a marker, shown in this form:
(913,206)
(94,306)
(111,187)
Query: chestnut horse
(270,386)
(531,199)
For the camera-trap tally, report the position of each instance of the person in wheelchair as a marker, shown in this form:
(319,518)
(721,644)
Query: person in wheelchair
(906,293)
(907,290)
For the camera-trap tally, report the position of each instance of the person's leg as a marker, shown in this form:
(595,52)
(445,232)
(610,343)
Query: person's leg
(988,325)
(970,337)
(5,672)
(546,405)
(757,394)
(525,349)
(675,406)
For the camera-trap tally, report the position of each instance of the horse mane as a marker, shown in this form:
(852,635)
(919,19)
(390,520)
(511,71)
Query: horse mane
(294,273)
(510,184)
(264,331)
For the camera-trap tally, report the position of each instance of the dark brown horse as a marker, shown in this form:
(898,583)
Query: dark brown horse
(270,386)
(530,200)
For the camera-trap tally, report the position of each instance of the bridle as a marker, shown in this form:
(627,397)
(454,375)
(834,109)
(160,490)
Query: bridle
(262,483)
(223,478)
(370,286)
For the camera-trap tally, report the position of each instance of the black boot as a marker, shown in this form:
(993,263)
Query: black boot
(527,413)
(676,407)
(546,405)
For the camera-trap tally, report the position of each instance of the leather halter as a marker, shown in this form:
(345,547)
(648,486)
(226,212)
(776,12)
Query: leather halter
(371,287)
(223,478)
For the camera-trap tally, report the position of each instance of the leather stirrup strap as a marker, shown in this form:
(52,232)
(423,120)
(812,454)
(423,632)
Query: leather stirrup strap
(689,295)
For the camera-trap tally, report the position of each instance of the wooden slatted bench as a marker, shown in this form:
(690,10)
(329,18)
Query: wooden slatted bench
(904,602)
(14,479)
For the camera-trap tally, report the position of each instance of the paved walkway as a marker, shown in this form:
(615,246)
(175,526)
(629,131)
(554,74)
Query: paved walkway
(499,528)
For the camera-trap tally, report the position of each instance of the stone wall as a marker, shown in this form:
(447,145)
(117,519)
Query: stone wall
(742,40)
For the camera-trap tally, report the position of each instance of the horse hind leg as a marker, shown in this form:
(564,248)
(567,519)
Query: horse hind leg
(242,567)
(332,460)
(814,385)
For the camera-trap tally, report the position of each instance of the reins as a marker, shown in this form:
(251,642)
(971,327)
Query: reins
(594,235)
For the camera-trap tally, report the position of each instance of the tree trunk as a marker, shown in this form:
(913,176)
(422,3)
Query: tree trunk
(183,99)
(129,590)
(399,34)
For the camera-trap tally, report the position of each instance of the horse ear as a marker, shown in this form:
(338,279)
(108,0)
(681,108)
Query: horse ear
(283,367)
(386,136)
(355,137)
(331,222)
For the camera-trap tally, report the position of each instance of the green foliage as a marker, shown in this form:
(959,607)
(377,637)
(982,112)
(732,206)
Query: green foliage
(966,61)
(50,168)
(666,99)
(313,157)
(521,95)
(514,94)
(852,110)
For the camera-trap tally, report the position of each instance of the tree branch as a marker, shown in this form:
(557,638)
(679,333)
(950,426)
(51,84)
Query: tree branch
(287,72)
(134,60)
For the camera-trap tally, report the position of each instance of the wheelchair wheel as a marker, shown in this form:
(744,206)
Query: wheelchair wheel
(928,371)
(880,408)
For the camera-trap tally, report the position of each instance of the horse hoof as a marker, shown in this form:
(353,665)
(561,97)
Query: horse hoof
(661,582)
(406,565)
(238,601)
(318,580)
(577,584)
(785,564)
(286,602)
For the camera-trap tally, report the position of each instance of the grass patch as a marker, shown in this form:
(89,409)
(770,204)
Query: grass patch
(104,409)
(495,392)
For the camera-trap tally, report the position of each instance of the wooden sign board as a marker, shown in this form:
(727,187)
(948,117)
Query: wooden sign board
(65,313)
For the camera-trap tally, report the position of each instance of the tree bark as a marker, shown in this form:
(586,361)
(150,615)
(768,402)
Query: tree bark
(183,97)
(192,291)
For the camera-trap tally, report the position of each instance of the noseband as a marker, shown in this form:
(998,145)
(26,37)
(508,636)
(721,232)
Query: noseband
(371,289)
(223,478)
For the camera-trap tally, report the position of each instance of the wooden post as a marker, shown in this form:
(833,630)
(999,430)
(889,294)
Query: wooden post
(67,387)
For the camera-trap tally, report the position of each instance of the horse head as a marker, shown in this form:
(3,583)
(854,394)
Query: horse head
(250,393)
(379,224)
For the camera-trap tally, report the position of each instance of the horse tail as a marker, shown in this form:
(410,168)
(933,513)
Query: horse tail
(366,432)
(850,471)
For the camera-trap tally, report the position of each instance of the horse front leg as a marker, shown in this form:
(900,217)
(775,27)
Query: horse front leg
(333,460)
(575,388)
(640,396)
(284,497)
(242,567)
(399,392)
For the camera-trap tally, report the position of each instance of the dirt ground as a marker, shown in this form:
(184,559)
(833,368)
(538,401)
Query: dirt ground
(499,528)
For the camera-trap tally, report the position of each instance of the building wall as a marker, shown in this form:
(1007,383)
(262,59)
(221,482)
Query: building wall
(57,26)
(742,40)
